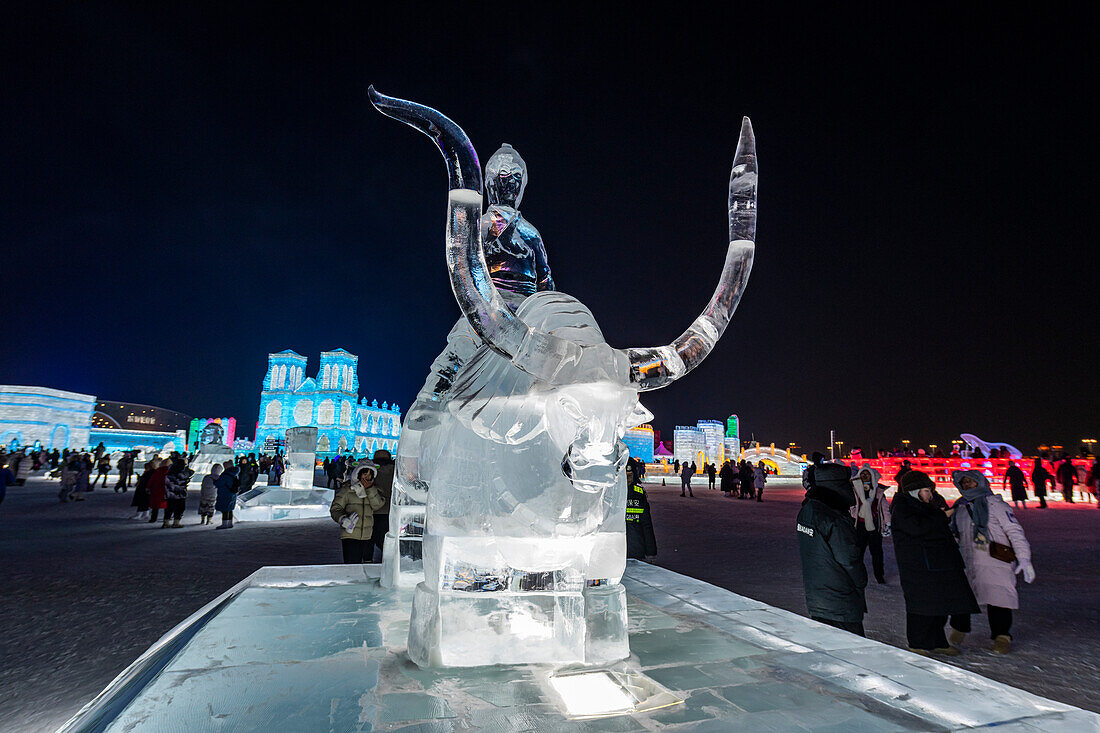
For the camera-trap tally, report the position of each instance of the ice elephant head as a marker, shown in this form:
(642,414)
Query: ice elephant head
(527,488)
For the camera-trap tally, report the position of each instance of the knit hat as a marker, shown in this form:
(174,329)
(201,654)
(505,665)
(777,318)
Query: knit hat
(915,480)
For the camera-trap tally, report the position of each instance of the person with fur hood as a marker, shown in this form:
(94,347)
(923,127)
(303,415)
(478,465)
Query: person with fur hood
(175,492)
(931,570)
(208,496)
(871,516)
(995,550)
(353,508)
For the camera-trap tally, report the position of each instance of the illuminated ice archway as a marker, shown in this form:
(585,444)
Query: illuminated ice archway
(274,413)
(60,436)
(323,444)
(303,412)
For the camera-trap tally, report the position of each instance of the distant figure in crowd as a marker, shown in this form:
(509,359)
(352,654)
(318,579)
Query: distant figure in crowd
(929,564)
(711,473)
(640,540)
(69,472)
(872,519)
(833,574)
(175,492)
(1039,478)
(84,472)
(227,485)
(686,472)
(1093,481)
(383,481)
(7,478)
(125,470)
(994,549)
(759,480)
(157,498)
(1067,476)
(906,467)
(208,494)
(744,475)
(353,509)
(141,492)
(1015,479)
(727,479)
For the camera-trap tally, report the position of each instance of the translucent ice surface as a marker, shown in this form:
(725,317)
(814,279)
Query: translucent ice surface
(515,444)
(322,649)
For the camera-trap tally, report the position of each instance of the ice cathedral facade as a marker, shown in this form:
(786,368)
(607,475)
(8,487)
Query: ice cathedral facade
(330,402)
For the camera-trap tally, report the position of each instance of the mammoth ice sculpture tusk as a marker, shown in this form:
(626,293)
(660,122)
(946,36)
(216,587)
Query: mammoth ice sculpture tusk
(545,356)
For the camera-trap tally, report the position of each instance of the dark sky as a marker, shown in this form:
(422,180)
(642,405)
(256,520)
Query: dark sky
(184,190)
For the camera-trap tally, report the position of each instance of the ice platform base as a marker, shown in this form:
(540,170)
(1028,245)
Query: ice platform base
(322,648)
(272,503)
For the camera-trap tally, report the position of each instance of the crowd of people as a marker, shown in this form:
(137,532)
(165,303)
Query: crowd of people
(739,479)
(951,558)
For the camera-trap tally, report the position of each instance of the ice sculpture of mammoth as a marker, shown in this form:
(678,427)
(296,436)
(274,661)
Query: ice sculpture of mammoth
(524,541)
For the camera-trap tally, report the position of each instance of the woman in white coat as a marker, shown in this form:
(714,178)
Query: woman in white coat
(988,537)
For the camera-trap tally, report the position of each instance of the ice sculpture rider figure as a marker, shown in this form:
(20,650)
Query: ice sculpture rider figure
(516,257)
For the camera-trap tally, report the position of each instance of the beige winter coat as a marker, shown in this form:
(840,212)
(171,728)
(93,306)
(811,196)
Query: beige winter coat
(346,502)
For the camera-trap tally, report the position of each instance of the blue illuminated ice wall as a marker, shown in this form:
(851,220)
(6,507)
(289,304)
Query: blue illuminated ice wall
(639,441)
(330,402)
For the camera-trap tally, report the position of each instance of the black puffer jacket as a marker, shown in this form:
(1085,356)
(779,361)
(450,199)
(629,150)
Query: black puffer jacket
(832,566)
(929,564)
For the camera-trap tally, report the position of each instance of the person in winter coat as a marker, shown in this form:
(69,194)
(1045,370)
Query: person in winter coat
(727,479)
(1067,476)
(141,492)
(208,494)
(175,492)
(1015,479)
(125,470)
(711,472)
(1093,481)
(353,509)
(744,476)
(157,499)
(228,485)
(1039,477)
(686,472)
(929,564)
(69,471)
(872,520)
(982,520)
(103,467)
(640,540)
(833,574)
(759,479)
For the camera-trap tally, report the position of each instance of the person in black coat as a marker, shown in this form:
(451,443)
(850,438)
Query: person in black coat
(640,540)
(833,573)
(727,479)
(1016,480)
(929,565)
(744,475)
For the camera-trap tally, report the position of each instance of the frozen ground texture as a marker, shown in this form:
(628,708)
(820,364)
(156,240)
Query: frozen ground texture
(322,649)
(86,591)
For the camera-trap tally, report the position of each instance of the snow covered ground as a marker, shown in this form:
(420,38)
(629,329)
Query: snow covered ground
(87,590)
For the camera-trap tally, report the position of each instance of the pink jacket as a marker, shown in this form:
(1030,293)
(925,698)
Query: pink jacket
(993,581)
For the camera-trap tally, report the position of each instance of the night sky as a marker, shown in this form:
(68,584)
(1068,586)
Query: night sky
(185,190)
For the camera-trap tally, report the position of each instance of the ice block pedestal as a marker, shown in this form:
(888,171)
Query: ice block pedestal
(323,649)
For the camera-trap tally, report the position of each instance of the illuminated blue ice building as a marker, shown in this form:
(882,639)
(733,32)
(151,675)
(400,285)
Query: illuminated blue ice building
(330,402)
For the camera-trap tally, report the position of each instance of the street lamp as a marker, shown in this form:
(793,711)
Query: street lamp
(1090,444)
(840,448)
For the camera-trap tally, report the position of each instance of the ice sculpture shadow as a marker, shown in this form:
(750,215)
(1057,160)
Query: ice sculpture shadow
(521,462)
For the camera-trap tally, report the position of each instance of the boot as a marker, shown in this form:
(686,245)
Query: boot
(166,524)
(152,519)
(1001,643)
(955,638)
(230,524)
(176,523)
(224,524)
(947,651)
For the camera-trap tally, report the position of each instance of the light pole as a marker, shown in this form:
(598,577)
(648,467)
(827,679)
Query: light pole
(905,444)
(840,448)
(1090,444)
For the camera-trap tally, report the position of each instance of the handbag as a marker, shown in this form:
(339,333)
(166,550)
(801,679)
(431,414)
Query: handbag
(1004,553)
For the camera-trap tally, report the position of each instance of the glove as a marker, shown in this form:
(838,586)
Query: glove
(1028,571)
(349,522)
